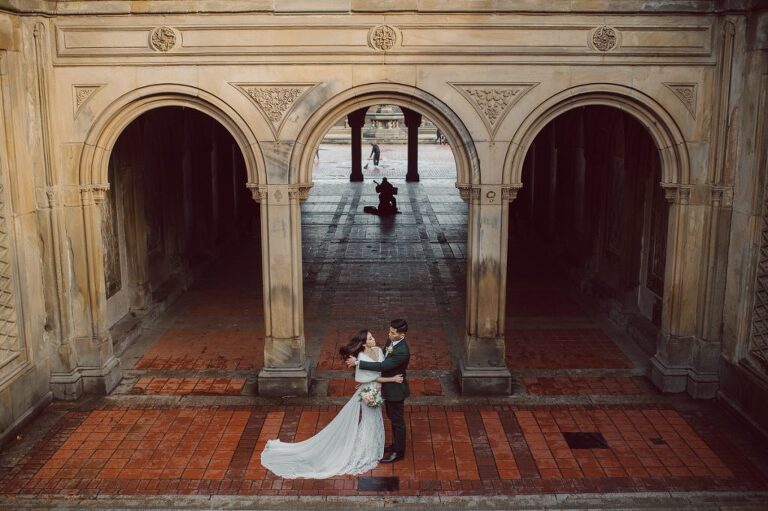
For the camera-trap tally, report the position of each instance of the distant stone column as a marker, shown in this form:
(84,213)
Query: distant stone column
(413,121)
(356,122)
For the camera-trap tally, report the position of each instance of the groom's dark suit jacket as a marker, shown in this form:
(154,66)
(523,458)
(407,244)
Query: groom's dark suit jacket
(395,363)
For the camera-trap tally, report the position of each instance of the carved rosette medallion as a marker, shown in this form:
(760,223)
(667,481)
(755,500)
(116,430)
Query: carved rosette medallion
(382,38)
(163,39)
(685,92)
(82,93)
(493,101)
(274,100)
(604,38)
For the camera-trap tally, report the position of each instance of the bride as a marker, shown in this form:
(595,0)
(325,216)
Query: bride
(352,443)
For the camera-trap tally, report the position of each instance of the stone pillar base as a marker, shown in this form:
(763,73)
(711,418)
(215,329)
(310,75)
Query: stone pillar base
(86,380)
(674,379)
(356,178)
(485,381)
(279,382)
(411,178)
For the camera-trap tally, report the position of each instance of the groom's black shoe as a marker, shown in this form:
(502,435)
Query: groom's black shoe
(393,457)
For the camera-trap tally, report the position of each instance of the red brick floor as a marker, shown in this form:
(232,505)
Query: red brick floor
(338,387)
(188,386)
(470,449)
(583,385)
(205,349)
(563,349)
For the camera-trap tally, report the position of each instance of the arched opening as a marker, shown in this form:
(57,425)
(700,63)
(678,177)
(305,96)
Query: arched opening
(181,232)
(588,239)
(363,269)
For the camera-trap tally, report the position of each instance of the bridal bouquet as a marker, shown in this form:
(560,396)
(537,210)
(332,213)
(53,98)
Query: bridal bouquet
(371,396)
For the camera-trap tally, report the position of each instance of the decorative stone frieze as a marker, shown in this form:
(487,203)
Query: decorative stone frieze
(262,193)
(505,193)
(274,101)
(83,93)
(163,39)
(493,101)
(604,38)
(382,38)
(758,342)
(686,92)
(11,344)
(676,193)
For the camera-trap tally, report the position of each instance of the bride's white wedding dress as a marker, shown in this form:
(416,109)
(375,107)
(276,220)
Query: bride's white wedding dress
(352,443)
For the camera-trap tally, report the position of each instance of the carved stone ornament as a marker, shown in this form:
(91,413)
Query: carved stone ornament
(509,192)
(758,339)
(468,192)
(382,38)
(274,100)
(493,101)
(686,92)
(10,343)
(82,93)
(163,39)
(605,38)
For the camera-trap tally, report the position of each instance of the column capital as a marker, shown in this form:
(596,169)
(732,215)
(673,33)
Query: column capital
(411,118)
(356,119)
(282,194)
(677,193)
(489,194)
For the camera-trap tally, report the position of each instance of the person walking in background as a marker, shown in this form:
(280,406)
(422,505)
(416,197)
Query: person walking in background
(375,153)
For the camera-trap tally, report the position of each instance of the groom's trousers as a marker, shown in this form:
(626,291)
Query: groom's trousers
(396,414)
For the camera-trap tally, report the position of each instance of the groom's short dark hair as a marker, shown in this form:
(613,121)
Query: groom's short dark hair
(400,325)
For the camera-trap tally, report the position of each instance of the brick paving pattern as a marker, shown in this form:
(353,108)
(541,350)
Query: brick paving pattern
(338,387)
(583,385)
(189,386)
(179,350)
(563,349)
(451,450)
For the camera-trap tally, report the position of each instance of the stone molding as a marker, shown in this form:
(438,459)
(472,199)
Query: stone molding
(685,92)
(493,101)
(70,195)
(274,100)
(656,39)
(382,38)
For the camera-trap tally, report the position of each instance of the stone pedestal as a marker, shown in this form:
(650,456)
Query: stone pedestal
(285,381)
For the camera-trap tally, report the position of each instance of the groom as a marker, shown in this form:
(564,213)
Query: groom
(396,357)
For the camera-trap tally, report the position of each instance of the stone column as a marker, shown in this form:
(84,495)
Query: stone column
(684,361)
(412,121)
(483,368)
(356,122)
(286,369)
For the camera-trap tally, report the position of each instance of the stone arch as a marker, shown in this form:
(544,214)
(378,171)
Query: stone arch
(465,153)
(675,164)
(119,114)
(94,167)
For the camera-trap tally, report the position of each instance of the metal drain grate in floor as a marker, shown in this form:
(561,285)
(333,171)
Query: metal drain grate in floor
(378,484)
(580,440)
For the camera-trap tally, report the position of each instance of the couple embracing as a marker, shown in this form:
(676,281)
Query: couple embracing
(353,442)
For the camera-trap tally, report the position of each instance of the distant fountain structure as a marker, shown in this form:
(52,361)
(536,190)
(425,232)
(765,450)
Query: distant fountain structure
(384,124)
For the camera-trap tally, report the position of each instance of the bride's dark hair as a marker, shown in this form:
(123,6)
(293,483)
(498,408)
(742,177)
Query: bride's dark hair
(355,345)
